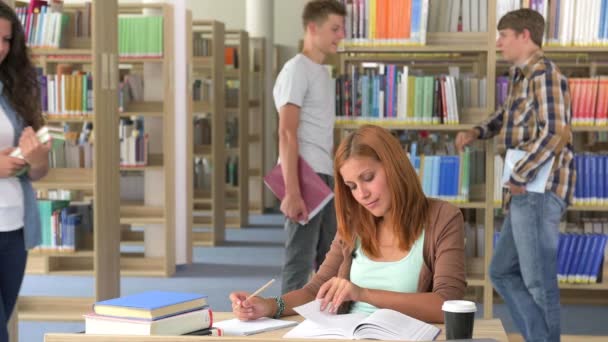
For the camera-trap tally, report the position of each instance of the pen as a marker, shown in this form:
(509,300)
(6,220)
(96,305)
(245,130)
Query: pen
(258,291)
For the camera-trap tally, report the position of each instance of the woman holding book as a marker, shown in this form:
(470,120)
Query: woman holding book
(20,117)
(395,248)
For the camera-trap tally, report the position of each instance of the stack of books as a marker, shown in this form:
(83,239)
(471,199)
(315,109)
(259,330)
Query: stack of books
(152,313)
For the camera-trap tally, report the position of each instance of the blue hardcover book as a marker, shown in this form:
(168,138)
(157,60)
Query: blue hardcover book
(578,187)
(564,244)
(594,181)
(596,239)
(576,258)
(444,175)
(605,172)
(436,175)
(570,252)
(588,180)
(601,179)
(584,258)
(597,259)
(151,305)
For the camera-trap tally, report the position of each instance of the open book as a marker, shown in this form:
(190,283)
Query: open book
(383,324)
(315,193)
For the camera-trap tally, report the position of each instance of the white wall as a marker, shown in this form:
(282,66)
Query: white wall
(230,12)
(287,13)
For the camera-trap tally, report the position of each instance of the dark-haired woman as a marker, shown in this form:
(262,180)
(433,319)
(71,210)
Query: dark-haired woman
(20,117)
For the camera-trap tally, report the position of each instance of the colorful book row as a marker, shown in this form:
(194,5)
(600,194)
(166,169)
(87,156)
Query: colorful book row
(43,28)
(386,22)
(561,18)
(67,94)
(379,91)
(444,177)
(65,226)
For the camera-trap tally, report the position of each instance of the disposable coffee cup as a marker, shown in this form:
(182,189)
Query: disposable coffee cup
(459,318)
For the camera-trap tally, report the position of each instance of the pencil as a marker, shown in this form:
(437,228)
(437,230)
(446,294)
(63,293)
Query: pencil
(258,291)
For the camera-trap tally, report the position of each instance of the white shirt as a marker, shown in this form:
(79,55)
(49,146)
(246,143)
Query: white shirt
(308,85)
(11,194)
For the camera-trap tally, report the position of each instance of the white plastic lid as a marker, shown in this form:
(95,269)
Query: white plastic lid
(459,306)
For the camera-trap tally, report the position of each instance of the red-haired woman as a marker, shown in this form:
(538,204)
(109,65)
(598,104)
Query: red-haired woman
(395,248)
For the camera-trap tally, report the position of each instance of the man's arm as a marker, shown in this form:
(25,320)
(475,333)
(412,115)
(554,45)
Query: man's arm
(292,205)
(491,126)
(550,96)
(485,130)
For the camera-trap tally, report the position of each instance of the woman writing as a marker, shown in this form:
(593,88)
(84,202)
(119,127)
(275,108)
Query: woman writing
(394,249)
(20,117)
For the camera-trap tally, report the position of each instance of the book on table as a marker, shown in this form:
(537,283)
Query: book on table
(178,324)
(383,324)
(315,193)
(236,327)
(151,305)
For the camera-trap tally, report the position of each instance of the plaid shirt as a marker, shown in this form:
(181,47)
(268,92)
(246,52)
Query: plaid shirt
(536,118)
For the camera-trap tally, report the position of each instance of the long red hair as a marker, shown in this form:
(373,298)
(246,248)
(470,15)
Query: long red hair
(409,206)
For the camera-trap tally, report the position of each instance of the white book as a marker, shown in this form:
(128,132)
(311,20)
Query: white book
(537,184)
(383,324)
(235,327)
(467,15)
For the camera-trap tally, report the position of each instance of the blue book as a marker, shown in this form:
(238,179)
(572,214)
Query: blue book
(578,187)
(597,259)
(601,179)
(151,305)
(584,258)
(570,253)
(564,244)
(576,258)
(595,244)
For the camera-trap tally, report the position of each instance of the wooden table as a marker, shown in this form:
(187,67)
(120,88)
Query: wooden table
(484,328)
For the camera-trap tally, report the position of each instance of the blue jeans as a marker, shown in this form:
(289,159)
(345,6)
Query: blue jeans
(306,245)
(12,267)
(524,265)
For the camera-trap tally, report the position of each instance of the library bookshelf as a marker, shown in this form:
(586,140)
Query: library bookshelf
(257,122)
(97,54)
(236,109)
(207,45)
(148,221)
(476,52)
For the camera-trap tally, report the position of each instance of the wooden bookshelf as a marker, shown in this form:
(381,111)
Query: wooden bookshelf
(208,200)
(257,123)
(477,53)
(472,52)
(101,181)
(239,194)
(155,212)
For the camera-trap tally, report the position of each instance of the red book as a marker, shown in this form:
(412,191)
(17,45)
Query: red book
(314,191)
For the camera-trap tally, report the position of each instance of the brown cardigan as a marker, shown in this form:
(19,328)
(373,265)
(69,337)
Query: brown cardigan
(443,271)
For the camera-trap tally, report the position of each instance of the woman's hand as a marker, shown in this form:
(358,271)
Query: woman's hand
(251,309)
(9,165)
(35,153)
(337,291)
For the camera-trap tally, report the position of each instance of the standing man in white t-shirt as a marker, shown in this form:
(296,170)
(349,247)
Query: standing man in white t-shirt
(304,97)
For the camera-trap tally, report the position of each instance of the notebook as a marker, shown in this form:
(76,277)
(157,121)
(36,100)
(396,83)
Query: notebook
(537,184)
(237,327)
(150,305)
(383,324)
(315,192)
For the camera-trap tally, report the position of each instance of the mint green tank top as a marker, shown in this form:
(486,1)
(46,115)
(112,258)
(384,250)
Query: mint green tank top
(397,276)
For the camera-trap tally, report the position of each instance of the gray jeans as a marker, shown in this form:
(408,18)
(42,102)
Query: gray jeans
(306,245)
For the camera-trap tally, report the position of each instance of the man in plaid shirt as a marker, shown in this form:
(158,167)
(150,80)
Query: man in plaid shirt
(536,119)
